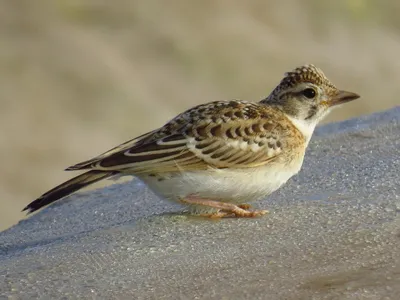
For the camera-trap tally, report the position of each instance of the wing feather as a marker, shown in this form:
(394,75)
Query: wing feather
(234,134)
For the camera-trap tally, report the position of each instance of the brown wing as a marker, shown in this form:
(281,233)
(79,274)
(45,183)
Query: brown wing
(235,134)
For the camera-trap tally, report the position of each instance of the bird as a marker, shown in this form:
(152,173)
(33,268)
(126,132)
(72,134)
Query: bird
(217,157)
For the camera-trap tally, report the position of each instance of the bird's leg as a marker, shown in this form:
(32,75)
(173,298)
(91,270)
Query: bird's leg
(224,209)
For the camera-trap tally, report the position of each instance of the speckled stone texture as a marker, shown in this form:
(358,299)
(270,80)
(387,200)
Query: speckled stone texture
(333,232)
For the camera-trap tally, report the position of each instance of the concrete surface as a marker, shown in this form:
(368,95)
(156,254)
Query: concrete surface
(333,233)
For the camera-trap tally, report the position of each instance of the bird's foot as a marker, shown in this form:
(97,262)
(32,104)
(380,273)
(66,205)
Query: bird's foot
(224,209)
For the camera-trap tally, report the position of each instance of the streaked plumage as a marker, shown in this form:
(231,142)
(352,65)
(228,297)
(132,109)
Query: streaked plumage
(226,151)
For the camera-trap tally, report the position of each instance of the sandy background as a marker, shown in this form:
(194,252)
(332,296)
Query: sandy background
(78,77)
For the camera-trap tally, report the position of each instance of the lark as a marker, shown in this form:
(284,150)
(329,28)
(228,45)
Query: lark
(217,157)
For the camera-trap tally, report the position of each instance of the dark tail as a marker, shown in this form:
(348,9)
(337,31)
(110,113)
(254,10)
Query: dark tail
(67,188)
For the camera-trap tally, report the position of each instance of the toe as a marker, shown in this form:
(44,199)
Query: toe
(217,215)
(244,206)
(241,213)
(258,213)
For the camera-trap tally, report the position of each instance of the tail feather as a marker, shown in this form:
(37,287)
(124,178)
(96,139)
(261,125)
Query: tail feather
(68,188)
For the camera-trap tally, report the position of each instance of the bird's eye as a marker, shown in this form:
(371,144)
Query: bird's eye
(309,93)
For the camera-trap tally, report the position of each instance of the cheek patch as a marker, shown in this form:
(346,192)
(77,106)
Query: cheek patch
(312,112)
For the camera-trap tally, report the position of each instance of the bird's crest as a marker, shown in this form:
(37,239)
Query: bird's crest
(305,73)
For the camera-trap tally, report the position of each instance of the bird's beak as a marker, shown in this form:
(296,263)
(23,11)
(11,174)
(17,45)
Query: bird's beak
(343,97)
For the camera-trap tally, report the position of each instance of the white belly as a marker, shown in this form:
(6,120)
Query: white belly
(227,185)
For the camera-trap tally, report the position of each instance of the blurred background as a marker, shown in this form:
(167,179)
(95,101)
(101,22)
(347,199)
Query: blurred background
(78,77)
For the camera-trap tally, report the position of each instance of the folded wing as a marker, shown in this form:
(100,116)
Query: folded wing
(234,134)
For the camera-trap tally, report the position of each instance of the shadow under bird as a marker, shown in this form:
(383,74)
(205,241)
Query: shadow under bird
(217,157)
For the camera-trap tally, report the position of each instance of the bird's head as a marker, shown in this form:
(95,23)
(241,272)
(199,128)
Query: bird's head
(306,96)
